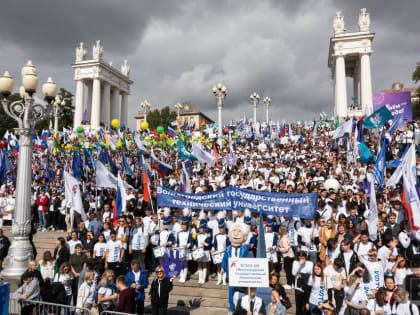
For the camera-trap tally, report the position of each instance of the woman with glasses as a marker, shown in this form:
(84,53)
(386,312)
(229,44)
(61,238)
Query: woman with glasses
(107,297)
(159,292)
(65,277)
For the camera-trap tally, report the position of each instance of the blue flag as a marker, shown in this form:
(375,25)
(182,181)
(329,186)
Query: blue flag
(261,249)
(5,166)
(364,153)
(378,118)
(77,166)
(378,170)
(127,169)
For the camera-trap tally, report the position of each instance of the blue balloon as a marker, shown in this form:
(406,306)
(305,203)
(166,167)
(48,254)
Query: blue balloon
(276,142)
(238,140)
(122,126)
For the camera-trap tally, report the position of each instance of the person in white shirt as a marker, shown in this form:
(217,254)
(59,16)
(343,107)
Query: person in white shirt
(405,307)
(99,252)
(138,242)
(301,270)
(73,242)
(319,287)
(114,253)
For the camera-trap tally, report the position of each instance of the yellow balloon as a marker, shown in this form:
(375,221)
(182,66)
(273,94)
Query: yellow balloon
(147,138)
(115,123)
(144,125)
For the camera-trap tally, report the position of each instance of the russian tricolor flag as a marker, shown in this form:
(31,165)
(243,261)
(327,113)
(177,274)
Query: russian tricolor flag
(172,133)
(282,131)
(159,166)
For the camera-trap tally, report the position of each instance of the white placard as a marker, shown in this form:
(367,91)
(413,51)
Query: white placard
(248,272)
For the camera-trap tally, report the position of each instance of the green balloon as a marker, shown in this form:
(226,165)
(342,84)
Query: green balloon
(79,129)
(160,129)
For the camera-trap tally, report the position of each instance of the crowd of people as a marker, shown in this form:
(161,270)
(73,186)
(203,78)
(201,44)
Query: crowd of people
(331,263)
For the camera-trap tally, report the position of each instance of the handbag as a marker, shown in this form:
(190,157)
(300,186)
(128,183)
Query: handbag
(286,303)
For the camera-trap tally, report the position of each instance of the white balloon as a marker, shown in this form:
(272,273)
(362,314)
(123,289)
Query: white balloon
(332,183)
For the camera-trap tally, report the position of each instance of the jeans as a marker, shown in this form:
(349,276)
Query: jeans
(42,219)
(313,256)
(312,307)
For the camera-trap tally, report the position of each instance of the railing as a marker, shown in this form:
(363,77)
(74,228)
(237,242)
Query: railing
(44,308)
(112,313)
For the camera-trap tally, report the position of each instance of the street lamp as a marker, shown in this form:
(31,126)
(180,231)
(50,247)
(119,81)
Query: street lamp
(146,106)
(57,106)
(255,99)
(26,114)
(178,107)
(267,102)
(220,91)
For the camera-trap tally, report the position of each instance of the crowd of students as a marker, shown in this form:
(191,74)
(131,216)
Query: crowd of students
(331,263)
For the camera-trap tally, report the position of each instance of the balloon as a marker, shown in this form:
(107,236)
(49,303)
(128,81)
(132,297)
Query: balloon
(160,129)
(332,183)
(276,142)
(144,125)
(115,123)
(122,127)
(79,129)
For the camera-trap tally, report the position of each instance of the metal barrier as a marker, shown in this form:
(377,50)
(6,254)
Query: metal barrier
(113,313)
(45,308)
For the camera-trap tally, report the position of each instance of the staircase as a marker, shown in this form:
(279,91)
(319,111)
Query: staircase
(185,298)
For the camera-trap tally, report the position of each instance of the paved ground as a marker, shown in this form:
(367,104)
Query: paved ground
(187,298)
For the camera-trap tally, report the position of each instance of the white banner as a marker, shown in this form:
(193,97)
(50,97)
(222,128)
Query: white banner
(248,272)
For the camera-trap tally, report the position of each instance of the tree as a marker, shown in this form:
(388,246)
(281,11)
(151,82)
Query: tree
(416,104)
(162,117)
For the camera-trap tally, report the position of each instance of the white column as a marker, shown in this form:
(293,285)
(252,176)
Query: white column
(366,83)
(123,118)
(96,104)
(78,113)
(106,104)
(255,112)
(89,101)
(335,93)
(340,86)
(219,126)
(115,104)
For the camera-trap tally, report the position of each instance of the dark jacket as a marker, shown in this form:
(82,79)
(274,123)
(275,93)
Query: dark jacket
(63,255)
(4,247)
(165,288)
(353,261)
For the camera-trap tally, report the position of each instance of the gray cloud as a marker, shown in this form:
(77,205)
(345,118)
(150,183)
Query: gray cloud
(179,49)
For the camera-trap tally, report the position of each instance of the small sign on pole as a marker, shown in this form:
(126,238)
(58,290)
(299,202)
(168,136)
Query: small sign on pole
(248,272)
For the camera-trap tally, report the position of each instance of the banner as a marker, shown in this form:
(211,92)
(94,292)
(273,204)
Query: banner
(233,198)
(396,102)
(248,272)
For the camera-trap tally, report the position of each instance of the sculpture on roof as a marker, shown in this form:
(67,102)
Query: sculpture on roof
(98,50)
(80,53)
(364,20)
(338,23)
(125,68)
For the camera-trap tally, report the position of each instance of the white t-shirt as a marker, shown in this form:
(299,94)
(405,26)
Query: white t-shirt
(358,295)
(105,292)
(114,250)
(138,241)
(100,249)
(64,277)
(319,291)
(72,245)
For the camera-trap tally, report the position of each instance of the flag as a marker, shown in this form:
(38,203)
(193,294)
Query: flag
(185,184)
(146,181)
(5,166)
(202,156)
(171,133)
(120,201)
(104,178)
(249,135)
(267,131)
(183,153)
(411,194)
(261,249)
(282,131)
(88,159)
(215,153)
(398,172)
(314,130)
(49,173)
(373,214)
(127,169)
(397,123)
(343,129)
(77,165)
(159,166)
(73,194)
(378,170)
(364,153)
(378,118)
(356,145)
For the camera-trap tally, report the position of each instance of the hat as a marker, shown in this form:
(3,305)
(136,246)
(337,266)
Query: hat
(270,220)
(202,224)
(185,220)
(221,223)
(166,220)
(247,216)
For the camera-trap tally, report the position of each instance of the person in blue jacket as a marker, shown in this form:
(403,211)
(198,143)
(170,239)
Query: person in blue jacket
(137,279)
(238,233)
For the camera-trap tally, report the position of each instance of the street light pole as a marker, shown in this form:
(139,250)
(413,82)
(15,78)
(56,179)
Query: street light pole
(178,107)
(220,91)
(56,110)
(27,114)
(267,102)
(255,99)
(146,106)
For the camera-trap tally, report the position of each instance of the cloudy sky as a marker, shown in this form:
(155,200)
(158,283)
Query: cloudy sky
(179,49)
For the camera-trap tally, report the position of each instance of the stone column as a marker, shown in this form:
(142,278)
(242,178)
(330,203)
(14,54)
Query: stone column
(89,101)
(78,113)
(96,104)
(340,86)
(106,104)
(123,118)
(335,94)
(366,83)
(115,104)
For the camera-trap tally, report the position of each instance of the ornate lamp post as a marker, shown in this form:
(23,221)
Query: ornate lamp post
(220,91)
(146,107)
(255,99)
(27,114)
(57,109)
(267,102)
(178,108)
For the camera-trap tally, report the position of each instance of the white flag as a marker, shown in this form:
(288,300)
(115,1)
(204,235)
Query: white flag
(373,214)
(104,178)
(73,194)
(123,194)
(409,182)
(343,129)
(201,155)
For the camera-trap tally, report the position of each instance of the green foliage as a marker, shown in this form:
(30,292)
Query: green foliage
(161,117)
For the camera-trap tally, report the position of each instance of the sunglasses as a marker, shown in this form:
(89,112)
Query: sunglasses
(159,271)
